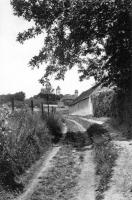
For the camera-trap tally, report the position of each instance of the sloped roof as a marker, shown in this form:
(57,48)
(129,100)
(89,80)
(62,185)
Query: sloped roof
(84,95)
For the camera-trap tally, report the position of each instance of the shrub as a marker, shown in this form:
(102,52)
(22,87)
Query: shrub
(77,139)
(54,124)
(96,130)
(105,103)
(7,176)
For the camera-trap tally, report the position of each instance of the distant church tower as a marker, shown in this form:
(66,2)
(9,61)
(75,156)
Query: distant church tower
(58,91)
(76,93)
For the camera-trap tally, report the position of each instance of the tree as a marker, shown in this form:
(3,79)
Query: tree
(76,29)
(48,87)
(20,96)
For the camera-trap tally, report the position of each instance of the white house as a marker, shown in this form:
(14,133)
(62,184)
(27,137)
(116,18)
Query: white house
(83,105)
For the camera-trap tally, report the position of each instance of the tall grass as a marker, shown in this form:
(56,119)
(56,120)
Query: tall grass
(55,124)
(105,157)
(22,143)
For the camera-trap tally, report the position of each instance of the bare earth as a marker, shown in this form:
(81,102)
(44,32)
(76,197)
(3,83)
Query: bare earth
(121,182)
(87,178)
(26,195)
(86,184)
(92,120)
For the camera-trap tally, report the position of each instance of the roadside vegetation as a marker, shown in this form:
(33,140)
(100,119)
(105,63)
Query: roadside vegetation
(105,157)
(54,123)
(77,140)
(24,138)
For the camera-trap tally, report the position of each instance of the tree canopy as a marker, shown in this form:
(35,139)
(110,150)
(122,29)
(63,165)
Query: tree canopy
(19,96)
(93,34)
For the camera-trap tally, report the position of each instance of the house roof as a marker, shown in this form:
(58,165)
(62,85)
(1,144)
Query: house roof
(84,95)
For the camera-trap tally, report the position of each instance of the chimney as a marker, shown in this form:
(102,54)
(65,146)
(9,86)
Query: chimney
(58,91)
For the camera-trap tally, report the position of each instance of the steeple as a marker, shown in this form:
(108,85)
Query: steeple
(58,90)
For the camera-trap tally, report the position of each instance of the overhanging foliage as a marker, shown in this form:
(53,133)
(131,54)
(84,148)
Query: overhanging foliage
(76,29)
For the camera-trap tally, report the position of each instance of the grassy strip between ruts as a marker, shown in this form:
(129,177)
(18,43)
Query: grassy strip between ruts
(61,179)
(105,157)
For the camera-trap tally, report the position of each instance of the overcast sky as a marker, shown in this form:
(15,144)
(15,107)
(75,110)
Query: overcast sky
(15,75)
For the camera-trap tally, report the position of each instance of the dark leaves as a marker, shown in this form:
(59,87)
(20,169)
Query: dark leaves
(103,27)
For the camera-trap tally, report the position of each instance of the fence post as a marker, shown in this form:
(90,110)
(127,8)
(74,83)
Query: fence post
(32,106)
(48,104)
(42,108)
(12,103)
(52,110)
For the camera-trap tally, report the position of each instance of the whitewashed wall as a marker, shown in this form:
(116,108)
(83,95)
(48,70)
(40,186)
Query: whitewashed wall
(82,108)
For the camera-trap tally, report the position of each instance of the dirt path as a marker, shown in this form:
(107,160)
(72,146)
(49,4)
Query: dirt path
(121,182)
(87,178)
(86,181)
(120,185)
(86,184)
(44,168)
(92,120)
(79,126)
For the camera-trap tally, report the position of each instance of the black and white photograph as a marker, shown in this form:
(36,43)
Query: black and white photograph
(65,99)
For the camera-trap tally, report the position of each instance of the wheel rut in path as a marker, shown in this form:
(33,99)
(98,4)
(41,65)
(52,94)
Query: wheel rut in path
(120,187)
(86,183)
(44,168)
(80,127)
(92,120)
